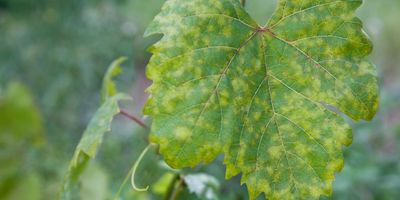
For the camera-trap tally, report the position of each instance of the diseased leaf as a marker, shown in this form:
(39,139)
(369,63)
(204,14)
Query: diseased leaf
(224,84)
(109,88)
(91,139)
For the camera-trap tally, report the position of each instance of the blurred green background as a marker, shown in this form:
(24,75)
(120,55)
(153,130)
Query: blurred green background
(53,55)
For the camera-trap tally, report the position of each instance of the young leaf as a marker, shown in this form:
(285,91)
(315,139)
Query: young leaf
(98,126)
(224,84)
(91,139)
(109,88)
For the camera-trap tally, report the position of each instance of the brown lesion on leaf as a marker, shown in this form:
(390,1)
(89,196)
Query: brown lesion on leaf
(265,30)
(262,29)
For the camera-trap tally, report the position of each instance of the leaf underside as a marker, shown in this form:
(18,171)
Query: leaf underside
(258,94)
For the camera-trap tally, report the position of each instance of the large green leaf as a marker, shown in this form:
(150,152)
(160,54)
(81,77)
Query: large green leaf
(260,94)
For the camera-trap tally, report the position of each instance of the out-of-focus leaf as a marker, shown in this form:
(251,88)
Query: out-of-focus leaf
(21,132)
(91,139)
(161,186)
(94,183)
(109,88)
(203,185)
(30,187)
(19,117)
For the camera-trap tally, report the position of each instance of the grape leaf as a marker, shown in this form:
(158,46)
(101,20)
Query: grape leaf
(90,141)
(260,94)
(109,88)
(97,127)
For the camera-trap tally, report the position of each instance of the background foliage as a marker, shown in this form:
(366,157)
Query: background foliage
(58,51)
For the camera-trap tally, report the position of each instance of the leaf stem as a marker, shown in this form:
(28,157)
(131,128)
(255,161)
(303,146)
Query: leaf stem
(133,118)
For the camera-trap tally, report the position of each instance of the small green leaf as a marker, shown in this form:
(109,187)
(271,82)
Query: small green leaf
(109,88)
(91,139)
(258,94)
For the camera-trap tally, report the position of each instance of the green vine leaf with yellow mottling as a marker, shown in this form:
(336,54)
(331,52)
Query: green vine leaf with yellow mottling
(260,95)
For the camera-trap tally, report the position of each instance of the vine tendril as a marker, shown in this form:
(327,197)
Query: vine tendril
(135,166)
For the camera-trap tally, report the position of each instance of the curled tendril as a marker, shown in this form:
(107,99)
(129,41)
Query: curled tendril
(135,166)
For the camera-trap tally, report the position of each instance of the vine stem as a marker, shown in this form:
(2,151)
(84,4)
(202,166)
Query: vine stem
(133,118)
(243,2)
(174,188)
